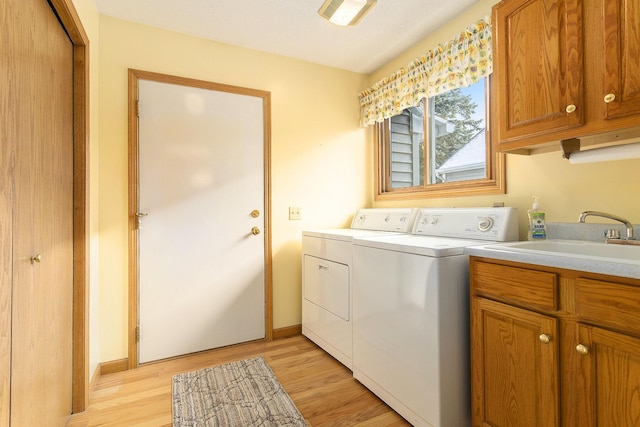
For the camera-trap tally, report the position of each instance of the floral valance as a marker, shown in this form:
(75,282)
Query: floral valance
(458,63)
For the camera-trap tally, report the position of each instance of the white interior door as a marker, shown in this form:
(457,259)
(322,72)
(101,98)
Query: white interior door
(201,175)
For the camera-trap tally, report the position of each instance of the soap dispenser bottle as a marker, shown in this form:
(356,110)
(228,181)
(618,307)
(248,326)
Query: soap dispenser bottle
(537,229)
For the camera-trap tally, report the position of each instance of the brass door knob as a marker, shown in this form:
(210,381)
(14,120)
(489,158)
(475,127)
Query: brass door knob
(255,231)
(582,349)
(36,258)
(544,338)
(610,97)
(570,108)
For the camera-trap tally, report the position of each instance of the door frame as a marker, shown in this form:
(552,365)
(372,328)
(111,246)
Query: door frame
(134,76)
(71,23)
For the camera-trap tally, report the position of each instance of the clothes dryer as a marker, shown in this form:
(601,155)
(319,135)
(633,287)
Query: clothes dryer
(327,276)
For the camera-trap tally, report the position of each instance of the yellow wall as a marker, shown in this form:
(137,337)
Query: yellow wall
(564,189)
(320,158)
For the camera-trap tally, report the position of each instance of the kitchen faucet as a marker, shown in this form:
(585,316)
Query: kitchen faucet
(626,223)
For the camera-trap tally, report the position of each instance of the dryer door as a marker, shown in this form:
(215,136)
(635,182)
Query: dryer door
(327,285)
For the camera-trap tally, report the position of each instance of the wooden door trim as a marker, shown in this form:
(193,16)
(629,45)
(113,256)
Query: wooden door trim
(134,76)
(71,23)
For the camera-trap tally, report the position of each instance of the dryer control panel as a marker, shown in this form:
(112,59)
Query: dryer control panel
(392,219)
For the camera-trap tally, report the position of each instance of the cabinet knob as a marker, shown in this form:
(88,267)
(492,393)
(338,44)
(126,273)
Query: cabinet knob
(36,258)
(570,108)
(544,338)
(610,97)
(582,349)
(255,231)
(255,213)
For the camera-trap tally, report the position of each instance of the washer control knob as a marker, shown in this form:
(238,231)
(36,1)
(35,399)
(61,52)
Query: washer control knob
(485,224)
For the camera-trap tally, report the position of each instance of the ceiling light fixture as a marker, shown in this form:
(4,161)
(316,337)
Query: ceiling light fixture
(345,12)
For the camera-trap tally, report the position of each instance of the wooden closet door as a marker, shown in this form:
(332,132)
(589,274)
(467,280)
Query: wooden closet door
(41,122)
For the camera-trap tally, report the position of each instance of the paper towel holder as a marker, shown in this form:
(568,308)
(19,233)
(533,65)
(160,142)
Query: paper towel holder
(569,146)
(571,151)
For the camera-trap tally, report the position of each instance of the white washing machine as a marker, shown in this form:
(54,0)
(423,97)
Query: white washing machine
(327,276)
(411,312)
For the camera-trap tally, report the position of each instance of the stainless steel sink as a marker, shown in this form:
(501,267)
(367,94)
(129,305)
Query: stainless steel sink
(575,249)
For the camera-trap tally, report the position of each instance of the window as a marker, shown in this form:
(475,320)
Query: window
(458,157)
(432,124)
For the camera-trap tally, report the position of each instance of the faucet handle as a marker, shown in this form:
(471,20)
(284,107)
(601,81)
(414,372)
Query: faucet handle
(612,234)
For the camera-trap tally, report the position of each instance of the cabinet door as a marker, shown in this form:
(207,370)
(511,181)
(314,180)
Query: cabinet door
(621,96)
(514,366)
(537,67)
(608,380)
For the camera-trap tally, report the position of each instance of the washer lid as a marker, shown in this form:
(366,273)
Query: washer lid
(420,245)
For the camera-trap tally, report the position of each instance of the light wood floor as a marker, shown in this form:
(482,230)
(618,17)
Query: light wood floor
(323,389)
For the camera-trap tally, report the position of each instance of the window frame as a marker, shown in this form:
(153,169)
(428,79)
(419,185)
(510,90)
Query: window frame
(493,183)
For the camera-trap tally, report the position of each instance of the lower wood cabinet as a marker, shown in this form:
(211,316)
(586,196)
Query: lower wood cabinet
(608,378)
(573,360)
(515,366)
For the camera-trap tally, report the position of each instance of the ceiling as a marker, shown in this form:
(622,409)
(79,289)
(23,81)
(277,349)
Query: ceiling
(293,28)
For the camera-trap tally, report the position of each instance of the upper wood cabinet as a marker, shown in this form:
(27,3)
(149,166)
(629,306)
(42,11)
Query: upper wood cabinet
(621,95)
(565,69)
(537,84)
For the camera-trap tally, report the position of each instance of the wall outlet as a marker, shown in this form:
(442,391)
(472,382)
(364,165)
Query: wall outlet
(295,213)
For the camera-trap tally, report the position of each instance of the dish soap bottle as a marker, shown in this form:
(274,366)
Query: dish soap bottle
(537,229)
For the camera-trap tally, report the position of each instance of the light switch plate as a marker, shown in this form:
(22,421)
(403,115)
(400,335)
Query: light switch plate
(295,213)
